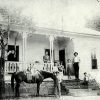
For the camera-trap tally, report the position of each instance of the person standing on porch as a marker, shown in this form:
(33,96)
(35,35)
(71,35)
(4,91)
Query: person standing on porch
(46,57)
(62,67)
(69,64)
(76,61)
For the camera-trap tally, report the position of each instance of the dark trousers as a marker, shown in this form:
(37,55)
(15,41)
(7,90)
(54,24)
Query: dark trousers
(76,70)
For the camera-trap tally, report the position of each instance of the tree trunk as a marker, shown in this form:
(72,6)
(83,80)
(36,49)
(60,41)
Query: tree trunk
(2,65)
(2,82)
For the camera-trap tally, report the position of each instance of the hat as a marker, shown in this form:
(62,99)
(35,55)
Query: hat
(85,72)
(75,53)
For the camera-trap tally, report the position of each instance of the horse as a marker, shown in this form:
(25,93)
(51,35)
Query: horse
(21,76)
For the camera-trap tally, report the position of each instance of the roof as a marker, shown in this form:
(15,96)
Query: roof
(57,17)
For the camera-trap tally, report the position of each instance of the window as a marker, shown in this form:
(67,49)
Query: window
(13,56)
(94,60)
(48,50)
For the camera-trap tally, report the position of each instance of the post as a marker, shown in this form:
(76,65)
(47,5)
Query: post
(24,50)
(2,59)
(51,39)
(2,64)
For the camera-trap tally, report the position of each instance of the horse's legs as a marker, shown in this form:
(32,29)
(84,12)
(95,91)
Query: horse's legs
(17,94)
(38,88)
(55,89)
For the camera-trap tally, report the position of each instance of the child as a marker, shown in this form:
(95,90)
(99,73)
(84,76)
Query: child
(85,80)
(58,74)
(55,68)
(62,66)
(69,64)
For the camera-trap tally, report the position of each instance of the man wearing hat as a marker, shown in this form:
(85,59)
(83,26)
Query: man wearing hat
(76,61)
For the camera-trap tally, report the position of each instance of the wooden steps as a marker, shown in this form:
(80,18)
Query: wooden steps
(74,84)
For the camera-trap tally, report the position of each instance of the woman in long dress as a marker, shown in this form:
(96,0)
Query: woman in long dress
(69,64)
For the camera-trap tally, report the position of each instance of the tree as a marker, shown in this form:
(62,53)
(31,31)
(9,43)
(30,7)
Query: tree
(3,45)
(12,17)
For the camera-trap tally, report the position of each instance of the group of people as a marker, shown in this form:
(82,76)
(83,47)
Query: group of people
(75,62)
(58,71)
(59,68)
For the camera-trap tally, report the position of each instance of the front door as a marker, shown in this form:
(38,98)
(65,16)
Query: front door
(62,57)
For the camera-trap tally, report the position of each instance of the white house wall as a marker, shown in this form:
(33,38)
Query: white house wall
(84,46)
(36,46)
(69,49)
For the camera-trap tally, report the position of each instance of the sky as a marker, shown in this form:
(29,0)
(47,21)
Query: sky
(57,14)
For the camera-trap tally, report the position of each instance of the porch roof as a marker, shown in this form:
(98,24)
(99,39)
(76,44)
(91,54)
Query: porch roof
(56,32)
(22,17)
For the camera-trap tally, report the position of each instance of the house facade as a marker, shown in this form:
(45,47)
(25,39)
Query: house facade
(31,46)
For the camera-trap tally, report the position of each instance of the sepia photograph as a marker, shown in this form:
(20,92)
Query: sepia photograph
(49,49)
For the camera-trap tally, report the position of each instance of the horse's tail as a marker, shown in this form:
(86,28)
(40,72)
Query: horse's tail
(12,81)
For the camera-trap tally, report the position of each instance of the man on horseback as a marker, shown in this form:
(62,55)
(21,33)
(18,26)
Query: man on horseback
(33,71)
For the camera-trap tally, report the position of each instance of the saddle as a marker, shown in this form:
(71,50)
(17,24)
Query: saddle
(29,76)
(36,75)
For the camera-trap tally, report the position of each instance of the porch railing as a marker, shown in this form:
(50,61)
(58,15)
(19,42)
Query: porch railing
(48,67)
(11,67)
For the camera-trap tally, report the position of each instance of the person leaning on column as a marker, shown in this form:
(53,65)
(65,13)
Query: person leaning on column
(76,61)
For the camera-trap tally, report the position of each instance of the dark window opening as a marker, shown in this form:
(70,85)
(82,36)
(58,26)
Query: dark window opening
(13,56)
(94,61)
(48,50)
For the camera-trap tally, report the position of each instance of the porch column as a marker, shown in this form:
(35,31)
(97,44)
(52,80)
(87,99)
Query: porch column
(51,39)
(24,49)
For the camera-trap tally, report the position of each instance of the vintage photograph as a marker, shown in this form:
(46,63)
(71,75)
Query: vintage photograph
(49,49)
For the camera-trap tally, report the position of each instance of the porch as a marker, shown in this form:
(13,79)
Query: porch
(30,49)
(11,67)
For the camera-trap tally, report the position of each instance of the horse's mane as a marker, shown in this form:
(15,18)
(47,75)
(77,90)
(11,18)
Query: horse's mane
(46,72)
